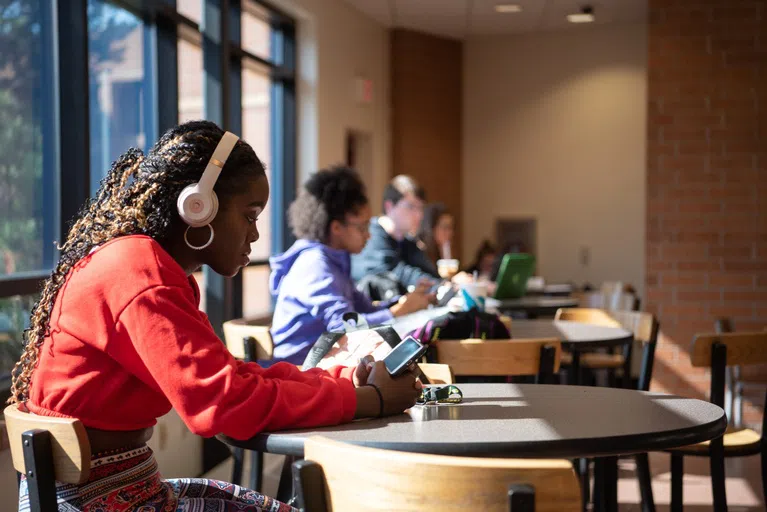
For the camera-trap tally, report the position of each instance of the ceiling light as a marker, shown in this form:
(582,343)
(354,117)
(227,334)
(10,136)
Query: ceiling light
(507,8)
(585,16)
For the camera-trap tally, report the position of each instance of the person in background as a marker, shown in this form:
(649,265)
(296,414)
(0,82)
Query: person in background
(436,232)
(485,261)
(117,338)
(312,280)
(392,246)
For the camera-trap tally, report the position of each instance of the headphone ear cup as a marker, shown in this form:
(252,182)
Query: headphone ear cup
(196,208)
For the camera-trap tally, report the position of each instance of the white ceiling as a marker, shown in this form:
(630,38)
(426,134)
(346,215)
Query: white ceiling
(460,19)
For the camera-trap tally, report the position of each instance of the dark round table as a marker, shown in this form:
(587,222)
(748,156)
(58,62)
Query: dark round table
(536,305)
(527,421)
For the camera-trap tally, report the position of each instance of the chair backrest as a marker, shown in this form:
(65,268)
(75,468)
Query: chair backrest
(499,357)
(587,316)
(437,373)
(241,332)
(645,328)
(338,477)
(729,349)
(68,451)
(613,301)
(743,348)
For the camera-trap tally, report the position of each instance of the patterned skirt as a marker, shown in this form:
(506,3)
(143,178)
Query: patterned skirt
(129,481)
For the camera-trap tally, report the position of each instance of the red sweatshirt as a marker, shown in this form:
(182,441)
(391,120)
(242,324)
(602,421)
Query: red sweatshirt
(128,342)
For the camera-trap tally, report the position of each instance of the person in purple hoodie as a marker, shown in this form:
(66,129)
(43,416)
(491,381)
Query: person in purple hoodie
(312,280)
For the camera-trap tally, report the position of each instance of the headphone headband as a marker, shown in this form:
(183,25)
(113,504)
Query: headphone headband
(216,163)
(197,204)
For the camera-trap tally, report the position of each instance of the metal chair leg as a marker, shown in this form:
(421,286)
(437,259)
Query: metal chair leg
(256,470)
(585,479)
(717,475)
(238,457)
(645,482)
(677,480)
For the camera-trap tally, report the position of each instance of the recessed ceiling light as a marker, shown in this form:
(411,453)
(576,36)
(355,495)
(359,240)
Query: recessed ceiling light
(506,8)
(585,16)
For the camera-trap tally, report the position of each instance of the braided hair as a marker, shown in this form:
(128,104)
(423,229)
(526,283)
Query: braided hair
(137,197)
(328,195)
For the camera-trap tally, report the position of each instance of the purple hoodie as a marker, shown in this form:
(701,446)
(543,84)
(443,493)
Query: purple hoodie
(313,286)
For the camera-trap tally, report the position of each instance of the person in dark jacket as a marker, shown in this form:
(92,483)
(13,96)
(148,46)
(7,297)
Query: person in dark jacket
(312,281)
(392,246)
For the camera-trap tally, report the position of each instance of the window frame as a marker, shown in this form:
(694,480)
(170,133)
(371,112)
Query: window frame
(222,63)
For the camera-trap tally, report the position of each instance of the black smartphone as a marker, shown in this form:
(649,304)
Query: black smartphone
(407,352)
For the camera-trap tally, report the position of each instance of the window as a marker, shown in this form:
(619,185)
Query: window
(14,319)
(132,71)
(28,181)
(190,99)
(256,129)
(120,86)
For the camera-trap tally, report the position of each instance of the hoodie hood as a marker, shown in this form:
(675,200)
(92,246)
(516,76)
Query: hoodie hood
(282,263)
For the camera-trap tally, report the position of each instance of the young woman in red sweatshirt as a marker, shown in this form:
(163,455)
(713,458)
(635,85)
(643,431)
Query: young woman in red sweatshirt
(117,339)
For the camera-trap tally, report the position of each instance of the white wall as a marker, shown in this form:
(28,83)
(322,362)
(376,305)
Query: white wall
(554,128)
(336,44)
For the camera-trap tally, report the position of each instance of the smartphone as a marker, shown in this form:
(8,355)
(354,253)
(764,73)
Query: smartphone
(445,297)
(403,355)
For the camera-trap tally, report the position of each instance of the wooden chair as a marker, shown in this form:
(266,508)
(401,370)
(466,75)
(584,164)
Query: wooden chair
(338,477)
(249,340)
(645,328)
(737,382)
(598,360)
(437,373)
(719,351)
(500,358)
(47,450)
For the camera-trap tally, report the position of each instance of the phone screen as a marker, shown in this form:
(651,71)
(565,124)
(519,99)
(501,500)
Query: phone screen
(402,354)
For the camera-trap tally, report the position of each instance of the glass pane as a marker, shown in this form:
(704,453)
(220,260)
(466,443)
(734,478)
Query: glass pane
(256,299)
(14,319)
(255,30)
(192,9)
(119,88)
(29,188)
(256,130)
(190,97)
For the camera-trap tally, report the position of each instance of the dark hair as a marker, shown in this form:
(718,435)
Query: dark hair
(484,249)
(328,195)
(138,196)
(401,185)
(431,215)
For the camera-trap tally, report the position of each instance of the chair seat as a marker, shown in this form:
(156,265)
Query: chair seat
(596,360)
(737,442)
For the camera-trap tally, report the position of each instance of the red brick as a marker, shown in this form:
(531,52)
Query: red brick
(698,296)
(668,279)
(745,266)
(685,309)
(709,265)
(731,280)
(748,296)
(701,207)
(732,253)
(732,311)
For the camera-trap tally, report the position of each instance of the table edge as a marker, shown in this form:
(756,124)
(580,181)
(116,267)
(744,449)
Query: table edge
(293,445)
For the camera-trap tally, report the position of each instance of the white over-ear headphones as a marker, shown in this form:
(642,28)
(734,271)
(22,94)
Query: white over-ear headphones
(197,204)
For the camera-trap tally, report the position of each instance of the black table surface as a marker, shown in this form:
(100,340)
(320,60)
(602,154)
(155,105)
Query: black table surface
(527,421)
(537,302)
(575,334)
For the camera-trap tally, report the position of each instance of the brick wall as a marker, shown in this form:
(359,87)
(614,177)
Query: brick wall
(706,176)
